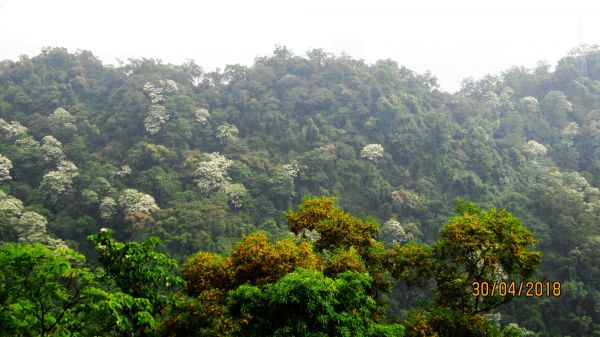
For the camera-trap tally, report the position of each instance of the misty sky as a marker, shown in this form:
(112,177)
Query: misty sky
(453,39)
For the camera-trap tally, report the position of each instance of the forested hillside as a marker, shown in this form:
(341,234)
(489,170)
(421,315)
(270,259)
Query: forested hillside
(186,191)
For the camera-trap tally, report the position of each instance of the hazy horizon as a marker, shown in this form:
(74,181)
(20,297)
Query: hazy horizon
(453,41)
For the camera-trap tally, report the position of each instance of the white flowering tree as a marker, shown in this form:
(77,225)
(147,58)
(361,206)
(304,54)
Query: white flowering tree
(211,174)
(134,201)
(11,130)
(63,119)
(568,133)
(10,209)
(372,152)
(534,150)
(27,143)
(235,194)
(67,168)
(157,91)
(292,169)
(52,149)
(405,198)
(5,166)
(89,197)
(202,116)
(227,133)
(529,105)
(108,208)
(124,171)
(31,228)
(393,233)
(157,116)
(137,207)
(56,185)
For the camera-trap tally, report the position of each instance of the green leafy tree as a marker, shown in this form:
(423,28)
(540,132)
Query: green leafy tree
(137,269)
(306,303)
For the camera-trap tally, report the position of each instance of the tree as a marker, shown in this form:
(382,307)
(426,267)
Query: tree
(475,246)
(157,116)
(306,303)
(52,149)
(5,166)
(372,152)
(556,106)
(211,174)
(137,269)
(335,227)
(134,201)
(227,133)
(43,291)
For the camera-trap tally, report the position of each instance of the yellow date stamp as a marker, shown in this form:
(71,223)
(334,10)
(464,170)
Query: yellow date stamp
(516,289)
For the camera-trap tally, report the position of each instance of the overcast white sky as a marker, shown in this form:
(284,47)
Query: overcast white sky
(453,39)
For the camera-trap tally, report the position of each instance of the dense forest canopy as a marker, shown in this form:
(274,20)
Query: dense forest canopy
(158,199)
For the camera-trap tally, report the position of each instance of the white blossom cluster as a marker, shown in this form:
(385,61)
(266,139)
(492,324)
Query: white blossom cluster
(108,207)
(56,184)
(134,201)
(534,149)
(529,105)
(405,198)
(62,118)
(211,175)
(571,183)
(494,317)
(227,133)
(505,180)
(157,116)
(498,273)
(67,168)
(11,130)
(27,143)
(235,194)
(10,208)
(292,169)
(202,116)
(124,171)
(372,152)
(310,235)
(5,166)
(515,330)
(30,226)
(89,197)
(569,132)
(577,182)
(392,233)
(52,149)
(158,91)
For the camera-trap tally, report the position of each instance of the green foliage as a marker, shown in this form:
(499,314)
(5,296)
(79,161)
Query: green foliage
(305,303)
(137,269)
(41,290)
